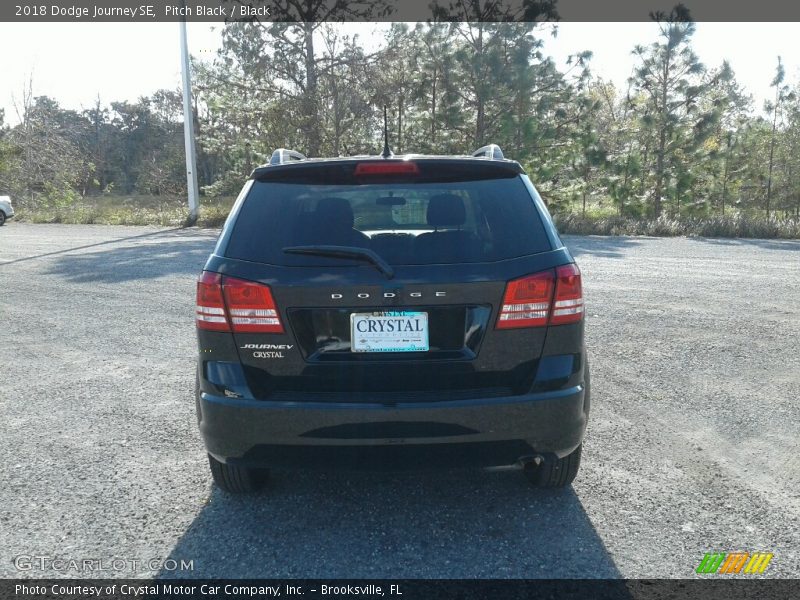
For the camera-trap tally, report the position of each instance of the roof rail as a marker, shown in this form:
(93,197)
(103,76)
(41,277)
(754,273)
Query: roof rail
(491,151)
(282,156)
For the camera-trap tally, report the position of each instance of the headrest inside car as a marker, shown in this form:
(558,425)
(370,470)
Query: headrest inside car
(335,212)
(446,210)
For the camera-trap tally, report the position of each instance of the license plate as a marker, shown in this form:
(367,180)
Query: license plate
(389,331)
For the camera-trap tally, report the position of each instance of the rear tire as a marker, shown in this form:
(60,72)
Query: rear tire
(236,479)
(2,218)
(556,472)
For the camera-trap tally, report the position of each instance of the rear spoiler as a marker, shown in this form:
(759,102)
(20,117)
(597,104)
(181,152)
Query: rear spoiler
(343,171)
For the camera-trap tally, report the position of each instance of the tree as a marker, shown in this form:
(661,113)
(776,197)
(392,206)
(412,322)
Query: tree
(680,138)
(49,162)
(790,151)
(723,160)
(669,77)
(6,153)
(781,95)
(430,48)
(295,59)
(347,115)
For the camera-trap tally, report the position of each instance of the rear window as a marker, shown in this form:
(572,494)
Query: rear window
(405,223)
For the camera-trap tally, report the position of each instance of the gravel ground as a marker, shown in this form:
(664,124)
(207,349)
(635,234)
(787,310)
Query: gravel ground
(692,443)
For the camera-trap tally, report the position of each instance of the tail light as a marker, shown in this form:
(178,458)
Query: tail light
(550,297)
(230,304)
(568,301)
(527,302)
(251,307)
(210,312)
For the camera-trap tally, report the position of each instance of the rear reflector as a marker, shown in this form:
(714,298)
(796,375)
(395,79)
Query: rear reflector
(568,301)
(386,168)
(251,307)
(549,297)
(210,312)
(527,301)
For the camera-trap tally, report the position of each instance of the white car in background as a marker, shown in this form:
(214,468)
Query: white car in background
(6,210)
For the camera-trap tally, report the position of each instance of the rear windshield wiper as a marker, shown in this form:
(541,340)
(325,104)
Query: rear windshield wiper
(352,252)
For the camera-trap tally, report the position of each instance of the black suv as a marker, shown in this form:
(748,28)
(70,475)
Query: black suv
(384,312)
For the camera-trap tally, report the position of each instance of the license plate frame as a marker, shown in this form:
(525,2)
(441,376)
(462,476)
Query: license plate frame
(413,334)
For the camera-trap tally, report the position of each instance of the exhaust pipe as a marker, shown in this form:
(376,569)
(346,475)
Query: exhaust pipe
(530,462)
(523,463)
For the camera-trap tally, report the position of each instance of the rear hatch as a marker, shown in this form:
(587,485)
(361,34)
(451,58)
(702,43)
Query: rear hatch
(387,279)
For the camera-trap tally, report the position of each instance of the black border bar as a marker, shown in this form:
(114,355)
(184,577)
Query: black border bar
(153,11)
(707,588)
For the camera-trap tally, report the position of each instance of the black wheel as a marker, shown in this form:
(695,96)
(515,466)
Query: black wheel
(555,472)
(236,479)
(2,218)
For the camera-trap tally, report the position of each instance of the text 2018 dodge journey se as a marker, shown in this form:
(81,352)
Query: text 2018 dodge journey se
(399,311)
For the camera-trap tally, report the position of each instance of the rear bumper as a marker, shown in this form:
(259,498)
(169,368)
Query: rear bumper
(475,432)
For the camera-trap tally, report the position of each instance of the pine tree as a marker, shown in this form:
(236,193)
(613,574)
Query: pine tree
(781,94)
(669,76)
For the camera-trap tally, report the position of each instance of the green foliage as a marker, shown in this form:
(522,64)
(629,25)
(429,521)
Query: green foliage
(59,194)
(681,143)
(671,85)
(738,226)
(131,210)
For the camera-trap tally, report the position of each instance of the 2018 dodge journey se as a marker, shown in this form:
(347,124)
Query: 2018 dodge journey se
(391,311)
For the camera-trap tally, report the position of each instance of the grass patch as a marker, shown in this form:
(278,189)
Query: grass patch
(213,215)
(172,212)
(130,210)
(736,226)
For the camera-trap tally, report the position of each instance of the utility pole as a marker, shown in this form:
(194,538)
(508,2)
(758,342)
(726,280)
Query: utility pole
(188,127)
